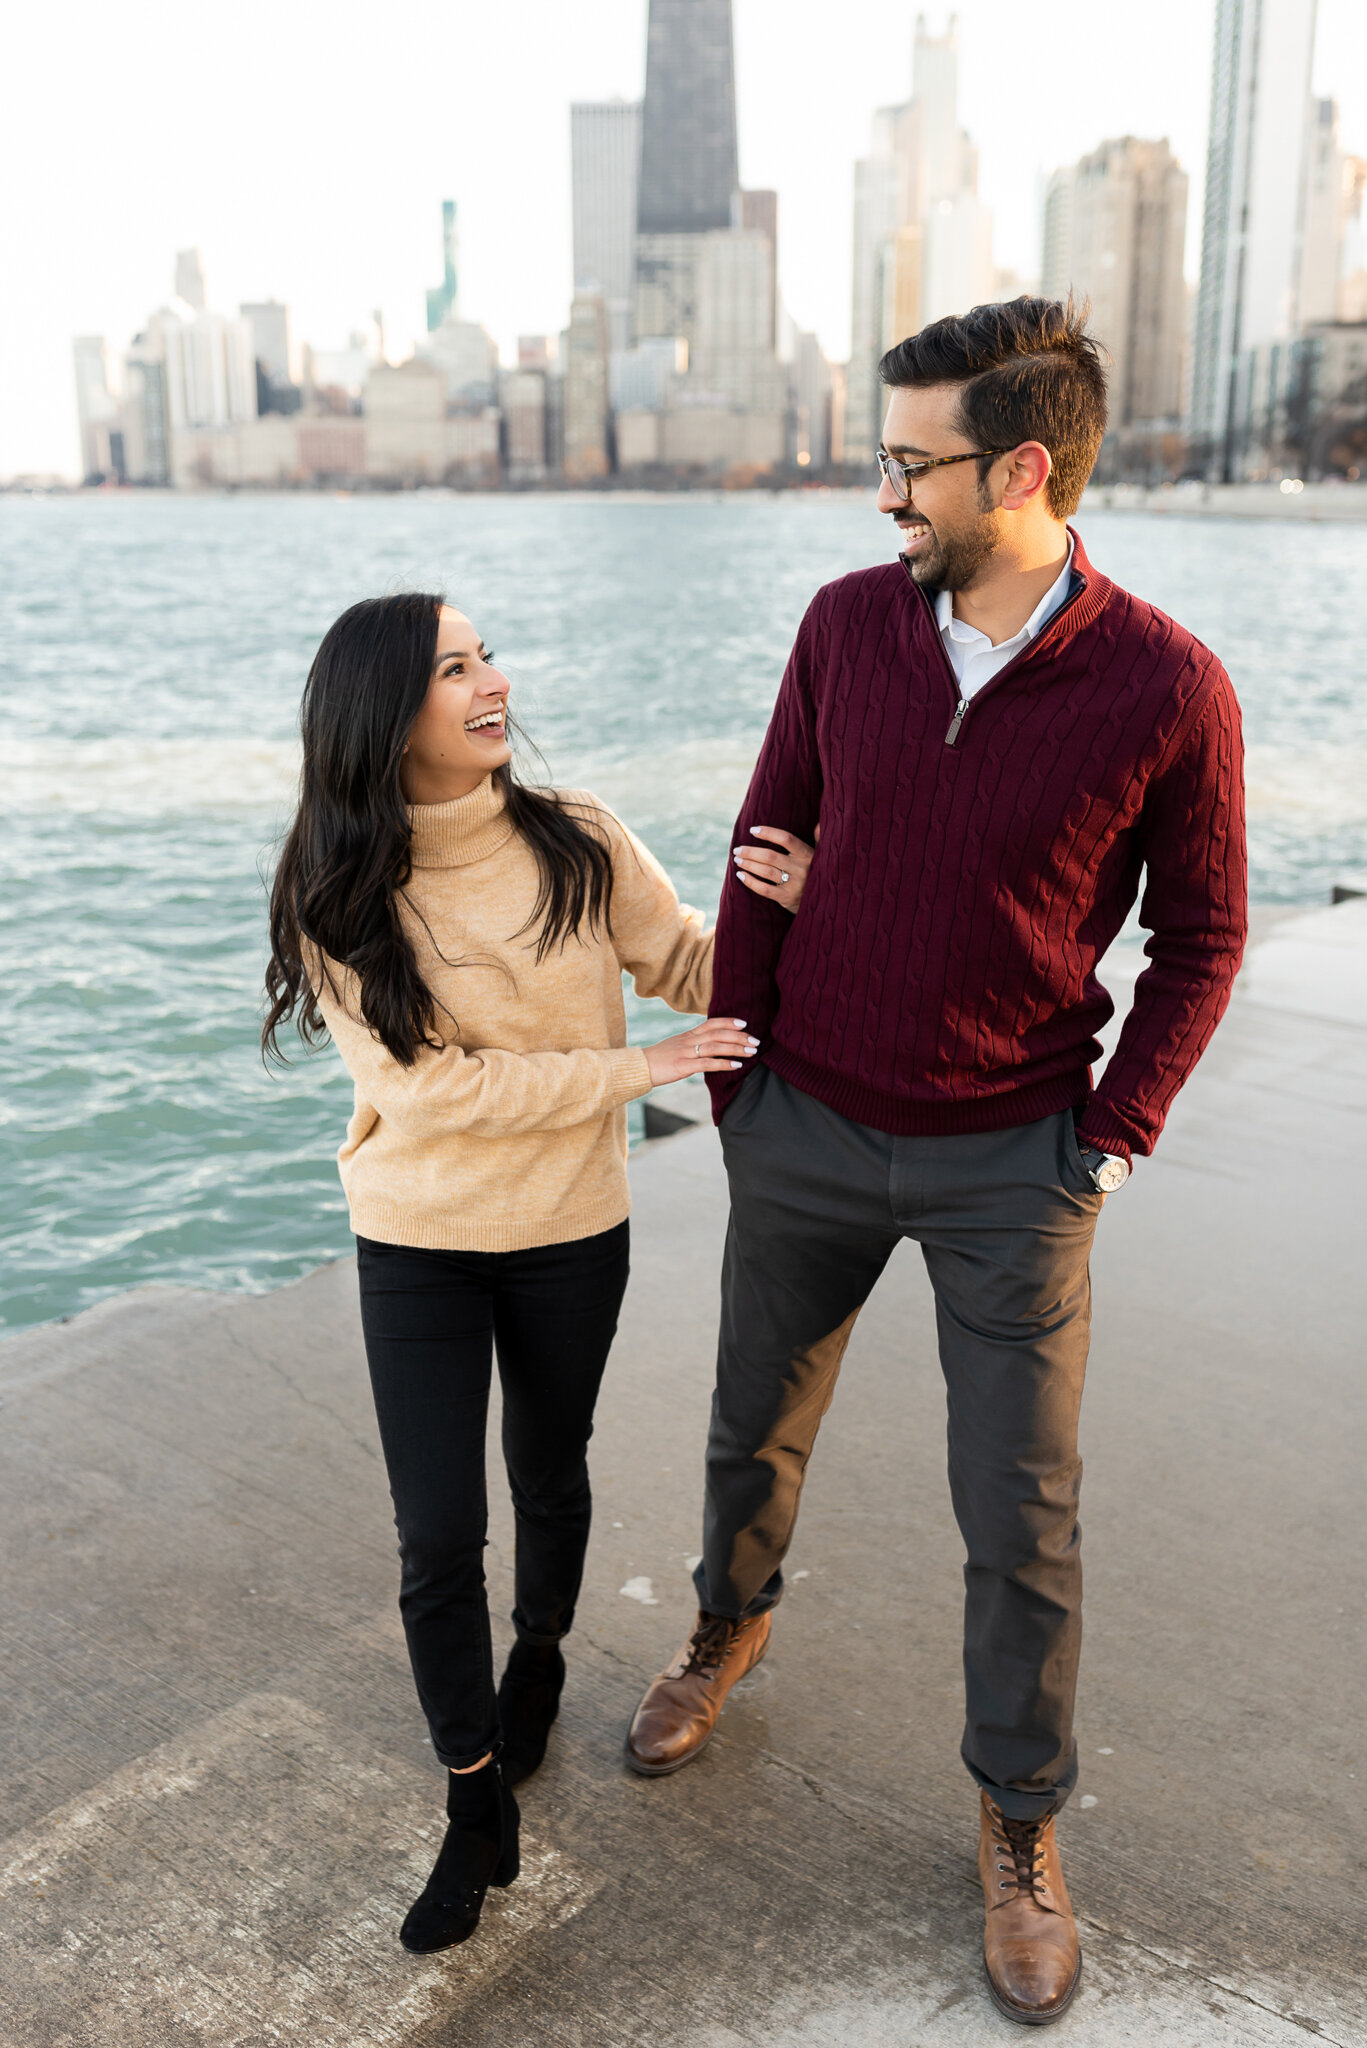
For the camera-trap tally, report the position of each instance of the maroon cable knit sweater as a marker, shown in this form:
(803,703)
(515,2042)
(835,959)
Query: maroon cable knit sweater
(975,864)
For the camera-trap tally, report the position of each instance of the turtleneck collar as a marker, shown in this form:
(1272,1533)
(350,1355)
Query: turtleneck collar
(455,834)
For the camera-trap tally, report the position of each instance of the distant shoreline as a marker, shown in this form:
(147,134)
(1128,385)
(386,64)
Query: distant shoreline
(1322,501)
(1339,501)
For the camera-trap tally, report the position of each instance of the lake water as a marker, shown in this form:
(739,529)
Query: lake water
(153,653)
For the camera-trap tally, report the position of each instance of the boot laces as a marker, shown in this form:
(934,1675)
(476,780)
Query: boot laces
(707,1646)
(1022,1843)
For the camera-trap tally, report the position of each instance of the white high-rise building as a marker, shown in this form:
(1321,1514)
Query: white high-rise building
(922,237)
(189,377)
(210,367)
(190,285)
(272,342)
(957,270)
(1327,195)
(97,409)
(142,414)
(734,357)
(1253,228)
(1056,254)
(605,156)
(1352,298)
(585,352)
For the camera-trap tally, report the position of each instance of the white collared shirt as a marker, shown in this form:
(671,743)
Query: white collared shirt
(974,659)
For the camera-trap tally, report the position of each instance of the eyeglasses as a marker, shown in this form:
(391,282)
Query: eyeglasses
(902,475)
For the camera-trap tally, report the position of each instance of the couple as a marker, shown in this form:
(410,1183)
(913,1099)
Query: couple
(997,744)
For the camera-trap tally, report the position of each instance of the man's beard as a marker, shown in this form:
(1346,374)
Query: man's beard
(953,561)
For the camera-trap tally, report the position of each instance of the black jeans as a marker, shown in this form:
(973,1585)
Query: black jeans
(432,1322)
(1004,1220)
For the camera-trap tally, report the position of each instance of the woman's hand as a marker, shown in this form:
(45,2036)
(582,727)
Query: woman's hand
(716,1046)
(780,875)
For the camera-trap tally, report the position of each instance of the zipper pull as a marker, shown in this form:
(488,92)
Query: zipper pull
(960,713)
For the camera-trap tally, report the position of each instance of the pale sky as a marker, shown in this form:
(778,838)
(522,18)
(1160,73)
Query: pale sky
(305,146)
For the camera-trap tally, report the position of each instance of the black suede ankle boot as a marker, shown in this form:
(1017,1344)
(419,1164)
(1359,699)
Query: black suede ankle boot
(480,1849)
(528,1702)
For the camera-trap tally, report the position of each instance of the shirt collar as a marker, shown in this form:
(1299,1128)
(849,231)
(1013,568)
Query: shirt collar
(1039,618)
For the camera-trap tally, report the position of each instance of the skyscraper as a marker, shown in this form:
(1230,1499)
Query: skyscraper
(922,237)
(97,410)
(586,390)
(1352,300)
(688,147)
(705,300)
(1327,196)
(272,342)
(1252,230)
(190,278)
(759,213)
(605,152)
(443,300)
(688,176)
(1115,227)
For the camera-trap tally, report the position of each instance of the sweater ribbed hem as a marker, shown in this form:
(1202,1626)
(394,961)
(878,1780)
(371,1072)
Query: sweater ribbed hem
(901,1118)
(388,1223)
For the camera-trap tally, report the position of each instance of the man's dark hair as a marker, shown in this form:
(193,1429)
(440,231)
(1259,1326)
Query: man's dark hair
(1029,371)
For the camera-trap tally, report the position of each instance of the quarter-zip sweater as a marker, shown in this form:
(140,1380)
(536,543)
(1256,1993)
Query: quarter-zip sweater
(978,857)
(513,1131)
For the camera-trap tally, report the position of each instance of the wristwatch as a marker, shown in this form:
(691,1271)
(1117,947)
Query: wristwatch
(1106,1170)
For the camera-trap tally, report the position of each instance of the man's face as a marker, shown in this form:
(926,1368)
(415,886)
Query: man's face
(947,534)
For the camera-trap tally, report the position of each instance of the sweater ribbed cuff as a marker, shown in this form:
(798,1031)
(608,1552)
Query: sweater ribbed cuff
(1100,1126)
(630,1071)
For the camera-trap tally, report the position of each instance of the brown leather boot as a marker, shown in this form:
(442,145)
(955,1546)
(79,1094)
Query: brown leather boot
(1030,1941)
(676,1718)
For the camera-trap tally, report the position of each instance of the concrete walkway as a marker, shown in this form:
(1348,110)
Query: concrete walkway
(217,1791)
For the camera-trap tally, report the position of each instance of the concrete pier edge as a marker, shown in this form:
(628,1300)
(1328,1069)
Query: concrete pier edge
(218,1790)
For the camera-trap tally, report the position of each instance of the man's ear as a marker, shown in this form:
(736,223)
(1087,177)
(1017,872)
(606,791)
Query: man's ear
(1027,475)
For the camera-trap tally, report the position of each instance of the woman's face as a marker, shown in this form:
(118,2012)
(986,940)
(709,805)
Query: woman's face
(458,736)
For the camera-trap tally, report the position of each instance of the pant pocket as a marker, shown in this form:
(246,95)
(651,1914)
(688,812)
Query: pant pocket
(1072,1167)
(740,1110)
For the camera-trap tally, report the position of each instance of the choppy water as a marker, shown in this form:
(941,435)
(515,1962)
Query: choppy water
(153,653)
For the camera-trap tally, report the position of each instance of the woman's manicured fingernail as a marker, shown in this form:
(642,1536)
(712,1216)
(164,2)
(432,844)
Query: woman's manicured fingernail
(740,1023)
(735,1063)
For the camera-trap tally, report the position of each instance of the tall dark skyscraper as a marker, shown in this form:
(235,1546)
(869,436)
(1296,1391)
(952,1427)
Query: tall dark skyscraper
(688,140)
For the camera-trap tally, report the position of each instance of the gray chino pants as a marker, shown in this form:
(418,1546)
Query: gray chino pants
(1005,1221)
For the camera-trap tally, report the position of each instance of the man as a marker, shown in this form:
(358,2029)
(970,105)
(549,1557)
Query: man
(996,742)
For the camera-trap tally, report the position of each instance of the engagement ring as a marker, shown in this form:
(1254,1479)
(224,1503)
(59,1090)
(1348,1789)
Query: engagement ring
(783,874)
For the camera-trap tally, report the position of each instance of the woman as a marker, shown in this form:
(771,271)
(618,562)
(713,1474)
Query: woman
(461,938)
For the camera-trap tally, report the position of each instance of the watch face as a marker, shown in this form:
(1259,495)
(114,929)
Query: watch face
(1110,1175)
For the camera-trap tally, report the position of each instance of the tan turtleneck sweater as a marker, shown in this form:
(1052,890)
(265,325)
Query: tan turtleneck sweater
(515,1133)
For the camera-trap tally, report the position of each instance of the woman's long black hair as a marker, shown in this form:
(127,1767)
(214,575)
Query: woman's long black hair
(347,858)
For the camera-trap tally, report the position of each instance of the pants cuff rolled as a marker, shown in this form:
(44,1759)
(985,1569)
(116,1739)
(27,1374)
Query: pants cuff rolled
(466,1759)
(768,1596)
(1020,1805)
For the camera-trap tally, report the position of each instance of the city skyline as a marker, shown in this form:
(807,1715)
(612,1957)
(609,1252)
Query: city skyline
(331,294)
